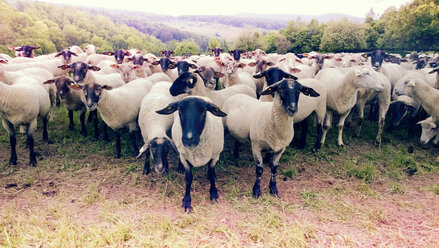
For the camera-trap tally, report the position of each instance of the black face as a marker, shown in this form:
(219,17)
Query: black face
(160,149)
(167,53)
(92,93)
(28,51)
(80,70)
(166,63)
(183,84)
(261,66)
(320,60)
(398,110)
(137,59)
(183,66)
(420,64)
(236,54)
(67,55)
(208,76)
(377,58)
(289,91)
(119,55)
(62,85)
(217,51)
(274,75)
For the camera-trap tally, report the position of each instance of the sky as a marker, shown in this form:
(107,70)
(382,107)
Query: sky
(357,8)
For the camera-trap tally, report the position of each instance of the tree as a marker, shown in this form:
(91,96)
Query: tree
(213,42)
(343,36)
(187,46)
(250,41)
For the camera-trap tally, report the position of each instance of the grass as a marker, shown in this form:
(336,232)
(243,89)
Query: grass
(338,197)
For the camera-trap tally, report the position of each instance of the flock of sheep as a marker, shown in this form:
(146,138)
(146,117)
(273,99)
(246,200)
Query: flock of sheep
(256,97)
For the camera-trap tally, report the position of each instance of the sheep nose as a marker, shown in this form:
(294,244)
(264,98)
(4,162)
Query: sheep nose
(292,108)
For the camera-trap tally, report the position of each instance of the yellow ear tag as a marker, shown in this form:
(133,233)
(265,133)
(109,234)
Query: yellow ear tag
(411,84)
(358,73)
(191,81)
(169,107)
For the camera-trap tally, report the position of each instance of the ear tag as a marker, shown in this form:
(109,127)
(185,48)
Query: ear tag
(411,84)
(191,80)
(358,73)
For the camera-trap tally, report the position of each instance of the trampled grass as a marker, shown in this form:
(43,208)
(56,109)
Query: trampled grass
(361,195)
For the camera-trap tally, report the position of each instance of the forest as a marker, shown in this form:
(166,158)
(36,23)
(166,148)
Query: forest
(413,27)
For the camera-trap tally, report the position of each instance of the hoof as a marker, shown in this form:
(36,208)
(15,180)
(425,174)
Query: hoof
(256,191)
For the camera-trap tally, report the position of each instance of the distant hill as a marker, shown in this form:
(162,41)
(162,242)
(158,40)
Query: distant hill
(306,18)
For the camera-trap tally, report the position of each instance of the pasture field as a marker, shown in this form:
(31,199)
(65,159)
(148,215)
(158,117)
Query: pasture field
(361,195)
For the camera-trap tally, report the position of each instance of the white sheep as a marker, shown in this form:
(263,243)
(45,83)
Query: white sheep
(155,126)
(268,125)
(192,84)
(118,107)
(21,104)
(199,138)
(95,59)
(429,131)
(342,92)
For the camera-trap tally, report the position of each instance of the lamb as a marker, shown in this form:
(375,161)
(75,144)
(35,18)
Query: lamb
(71,99)
(268,125)
(424,94)
(429,131)
(118,107)
(306,106)
(21,104)
(199,138)
(155,126)
(342,93)
(191,83)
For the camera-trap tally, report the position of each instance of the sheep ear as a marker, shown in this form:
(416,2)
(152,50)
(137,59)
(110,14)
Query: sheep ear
(76,87)
(35,47)
(172,66)
(252,64)
(215,110)
(136,67)
(269,90)
(193,66)
(74,54)
(242,65)
(107,87)
(287,75)
(64,67)
(94,68)
(271,63)
(58,54)
(115,66)
(144,148)
(259,74)
(171,108)
(173,146)
(328,57)
(128,60)
(309,91)
(434,70)
(161,52)
(411,84)
(218,74)
(295,70)
(3,61)
(155,62)
(365,55)
(50,81)
(11,48)
(219,62)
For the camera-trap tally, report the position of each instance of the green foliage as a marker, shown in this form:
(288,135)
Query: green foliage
(213,42)
(303,37)
(343,35)
(187,46)
(250,41)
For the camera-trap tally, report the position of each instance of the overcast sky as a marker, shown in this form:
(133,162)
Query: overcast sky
(357,8)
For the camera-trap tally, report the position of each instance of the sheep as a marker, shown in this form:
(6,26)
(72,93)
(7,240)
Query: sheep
(306,106)
(400,107)
(234,76)
(192,84)
(16,52)
(342,92)
(209,76)
(66,56)
(71,99)
(216,51)
(107,67)
(27,51)
(199,138)
(236,54)
(94,59)
(119,55)
(144,70)
(21,104)
(167,53)
(155,126)
(184,66)
(5,57)
(167,67)
(76,49)
(90,49)
(437,76)
(422,93)
(429,131)
(82,73)
(268,125)
(118,107)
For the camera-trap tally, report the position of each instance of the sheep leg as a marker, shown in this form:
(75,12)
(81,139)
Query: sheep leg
(318,143)
(90,116)
(340,128)
(259,170)
(30,142)
(94,115)
(328,123)
(360,108)
(273,166)
(381,122)
(211,175)
(117,143)
(304,130)
(82,119)
(12,140)
(72,124)
(146,167)
(236,152)
(134,142)
(186,205)
(105,131)
(45,134)
(180,168)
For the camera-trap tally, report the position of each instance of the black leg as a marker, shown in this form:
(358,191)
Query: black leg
(186,206)
(72,124)
(32,157)
(257,186)
(117,143)
(94,115)
(180,168)
(236,152)
(268,157)
(45,134)
(273,187)
(83,128)
(146,167)
(211,175)
(90,116)
(13,141)
(318,143)
(303,132)
(134,143)
(106,137)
